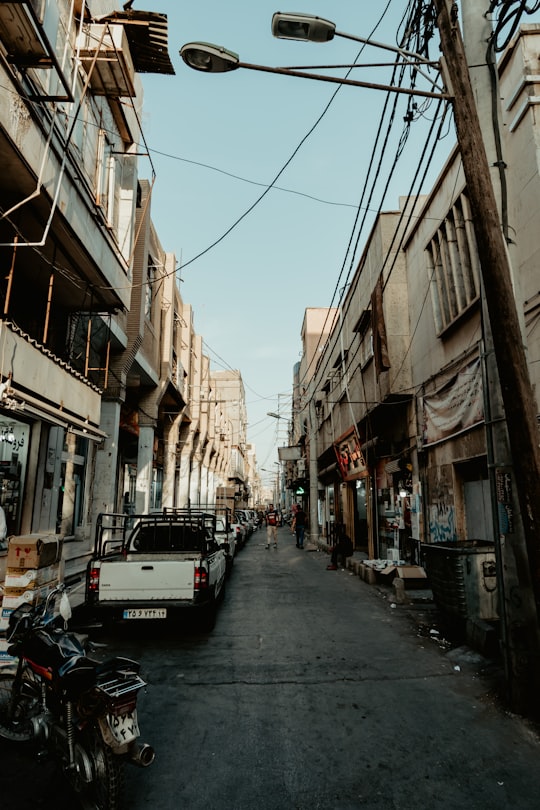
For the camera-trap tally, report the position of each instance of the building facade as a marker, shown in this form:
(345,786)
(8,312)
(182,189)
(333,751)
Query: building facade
(406,410)
(105,392)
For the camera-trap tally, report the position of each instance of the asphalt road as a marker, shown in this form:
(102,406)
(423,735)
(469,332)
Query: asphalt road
(313,692)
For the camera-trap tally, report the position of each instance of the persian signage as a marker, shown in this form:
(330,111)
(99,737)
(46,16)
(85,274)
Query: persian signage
(350,460)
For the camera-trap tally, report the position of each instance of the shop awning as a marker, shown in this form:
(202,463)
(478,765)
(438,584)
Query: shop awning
(21,401)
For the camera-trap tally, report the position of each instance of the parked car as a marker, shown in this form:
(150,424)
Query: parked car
(254,519)
(225,536)
(240,530)
(246,517)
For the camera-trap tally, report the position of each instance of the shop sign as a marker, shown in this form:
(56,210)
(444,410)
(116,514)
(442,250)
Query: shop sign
(350,460)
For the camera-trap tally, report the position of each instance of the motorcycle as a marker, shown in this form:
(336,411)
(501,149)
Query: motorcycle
(81,711)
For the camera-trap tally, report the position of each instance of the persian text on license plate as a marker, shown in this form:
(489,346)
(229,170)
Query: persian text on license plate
(145,613)
(124,727)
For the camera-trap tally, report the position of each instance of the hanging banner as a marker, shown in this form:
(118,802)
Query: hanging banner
(350,460)
(456,407)
(290,453)
(129,420)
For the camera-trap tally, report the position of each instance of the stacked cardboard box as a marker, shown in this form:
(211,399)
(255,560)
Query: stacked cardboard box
(33,568)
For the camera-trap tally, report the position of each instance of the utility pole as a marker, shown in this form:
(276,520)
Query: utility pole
(513,575)
(313,470)
(516,390)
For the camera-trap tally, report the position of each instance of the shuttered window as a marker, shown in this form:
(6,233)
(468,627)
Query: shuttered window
(453,265)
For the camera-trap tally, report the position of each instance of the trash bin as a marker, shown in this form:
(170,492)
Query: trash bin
(463,578)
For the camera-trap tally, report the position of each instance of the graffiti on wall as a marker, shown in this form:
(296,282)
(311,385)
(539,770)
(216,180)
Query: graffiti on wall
(442,523)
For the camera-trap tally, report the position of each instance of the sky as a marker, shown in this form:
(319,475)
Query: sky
(251,267)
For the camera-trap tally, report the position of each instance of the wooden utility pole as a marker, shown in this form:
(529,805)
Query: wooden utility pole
(516,389)
(313,471)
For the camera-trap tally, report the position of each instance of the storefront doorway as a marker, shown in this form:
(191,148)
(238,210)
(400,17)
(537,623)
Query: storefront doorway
(14,445)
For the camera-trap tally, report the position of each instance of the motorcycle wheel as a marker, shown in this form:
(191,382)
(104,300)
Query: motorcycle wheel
(17,710)
(105,790)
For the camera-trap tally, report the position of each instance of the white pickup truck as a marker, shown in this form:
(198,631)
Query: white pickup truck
(155,567)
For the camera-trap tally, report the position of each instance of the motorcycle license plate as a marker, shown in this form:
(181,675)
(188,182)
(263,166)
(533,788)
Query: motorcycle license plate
(145,613)
(123,727)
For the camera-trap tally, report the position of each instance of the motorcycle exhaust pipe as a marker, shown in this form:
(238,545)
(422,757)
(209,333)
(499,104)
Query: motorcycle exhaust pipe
(143,755)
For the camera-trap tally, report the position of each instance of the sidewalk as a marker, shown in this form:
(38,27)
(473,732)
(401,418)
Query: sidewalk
(385,573)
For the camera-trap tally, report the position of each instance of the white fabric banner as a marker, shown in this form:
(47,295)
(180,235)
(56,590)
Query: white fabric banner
(456,407)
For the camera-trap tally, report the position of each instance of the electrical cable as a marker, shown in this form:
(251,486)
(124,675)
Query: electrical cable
(364,206)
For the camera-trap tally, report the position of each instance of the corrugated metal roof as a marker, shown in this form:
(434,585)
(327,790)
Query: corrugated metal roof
(147,33)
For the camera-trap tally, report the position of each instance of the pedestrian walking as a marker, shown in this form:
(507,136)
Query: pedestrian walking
(299,525)
(271,519)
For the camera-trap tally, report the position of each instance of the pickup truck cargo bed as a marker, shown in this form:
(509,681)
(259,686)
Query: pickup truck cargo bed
(147,578)
(155,567)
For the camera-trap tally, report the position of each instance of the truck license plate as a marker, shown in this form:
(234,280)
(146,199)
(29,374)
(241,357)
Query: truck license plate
(145,613)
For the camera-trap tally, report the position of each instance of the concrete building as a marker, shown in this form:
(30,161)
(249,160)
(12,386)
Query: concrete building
(69,193)
(231,417)
(104,386)
(403,414)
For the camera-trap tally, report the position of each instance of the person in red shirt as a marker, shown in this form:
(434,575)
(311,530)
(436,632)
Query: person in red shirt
(271,519)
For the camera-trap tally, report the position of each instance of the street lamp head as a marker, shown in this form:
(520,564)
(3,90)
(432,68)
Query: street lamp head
(303,27)
(209,58)
(274,415)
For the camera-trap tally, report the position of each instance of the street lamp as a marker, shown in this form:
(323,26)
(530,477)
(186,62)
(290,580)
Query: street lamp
(302,27)
(307,28)
(209,58)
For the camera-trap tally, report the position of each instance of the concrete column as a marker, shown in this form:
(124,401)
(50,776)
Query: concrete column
(106,475)
(185,473)
(145,458)
(169,462)
(195,482)
(204,485)
(211,487)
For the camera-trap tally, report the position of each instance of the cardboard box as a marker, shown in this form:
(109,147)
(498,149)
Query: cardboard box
(27,578)
(33,551)
(411,572)
(25,590)
(5,613)
(4,657)
(4,620)
(32,596)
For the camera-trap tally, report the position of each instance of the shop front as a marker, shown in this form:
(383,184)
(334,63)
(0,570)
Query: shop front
(49,428)
(14,445)
(354,489)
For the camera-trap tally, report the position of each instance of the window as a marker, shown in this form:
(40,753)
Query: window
(105,177)
(453,265)
(149,293)
(71,500)
(156,496)
(364,330)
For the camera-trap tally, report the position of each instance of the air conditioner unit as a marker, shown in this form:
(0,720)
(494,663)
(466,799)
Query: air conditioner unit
(104,53)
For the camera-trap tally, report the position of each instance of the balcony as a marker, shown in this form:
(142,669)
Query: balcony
(105,55)
(23,33)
